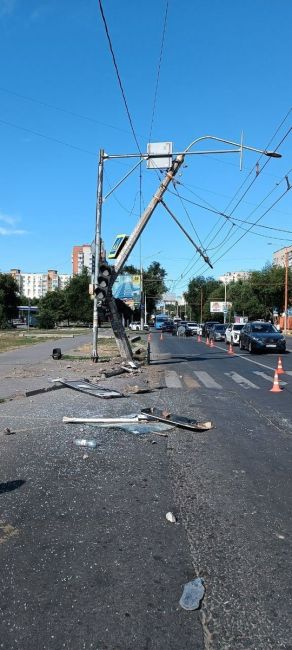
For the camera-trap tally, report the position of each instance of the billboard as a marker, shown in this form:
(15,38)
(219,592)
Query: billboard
(220,307)
(128,289)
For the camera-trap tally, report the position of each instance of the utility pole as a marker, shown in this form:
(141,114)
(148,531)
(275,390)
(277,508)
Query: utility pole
(286,289)
(225,303)
(97,249)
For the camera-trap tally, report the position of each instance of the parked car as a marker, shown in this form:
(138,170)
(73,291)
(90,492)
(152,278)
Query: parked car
(208,325)
(135,325)
(194,327)
(232,333)
(258,336)
(217,332)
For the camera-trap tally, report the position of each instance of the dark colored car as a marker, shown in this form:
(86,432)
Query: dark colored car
(217,332)
(206,327)
(258,336)
(168,326)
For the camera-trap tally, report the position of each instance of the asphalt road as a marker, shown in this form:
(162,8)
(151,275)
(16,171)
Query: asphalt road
(87,557)
(234,488)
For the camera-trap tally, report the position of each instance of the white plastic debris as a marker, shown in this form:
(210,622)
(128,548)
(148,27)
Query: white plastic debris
(170,517)
(192,594)
(83,442)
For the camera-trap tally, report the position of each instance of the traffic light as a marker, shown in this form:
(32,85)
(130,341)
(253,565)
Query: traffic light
(103,282)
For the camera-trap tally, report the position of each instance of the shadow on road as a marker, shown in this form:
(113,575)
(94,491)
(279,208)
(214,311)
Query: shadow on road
(10,485)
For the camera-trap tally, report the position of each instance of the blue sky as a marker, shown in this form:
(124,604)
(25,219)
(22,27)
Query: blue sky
(225,68)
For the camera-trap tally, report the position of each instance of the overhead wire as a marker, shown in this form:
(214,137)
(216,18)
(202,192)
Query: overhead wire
(61,110)
(232,227)
(47,137)
(158,70)
(118,75)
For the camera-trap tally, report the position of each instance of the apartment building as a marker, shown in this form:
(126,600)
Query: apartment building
(234,276)
(37,285)
(82,258)
(279,256)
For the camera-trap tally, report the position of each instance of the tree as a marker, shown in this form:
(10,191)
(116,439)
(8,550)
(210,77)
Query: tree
(52,309)
(200,291)
(153,284)
(78,302)
(8,298)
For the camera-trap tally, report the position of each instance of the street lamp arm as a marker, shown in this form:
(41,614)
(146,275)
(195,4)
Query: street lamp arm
(271,154)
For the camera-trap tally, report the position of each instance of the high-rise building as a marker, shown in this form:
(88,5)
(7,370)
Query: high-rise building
(37,285)
(279,257)
(82,259)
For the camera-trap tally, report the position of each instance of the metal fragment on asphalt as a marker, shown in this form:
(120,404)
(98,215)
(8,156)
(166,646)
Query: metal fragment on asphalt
(192,594)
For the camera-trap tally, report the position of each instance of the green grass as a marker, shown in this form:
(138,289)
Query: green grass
(14,340)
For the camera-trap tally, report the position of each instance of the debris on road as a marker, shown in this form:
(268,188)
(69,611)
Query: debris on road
(158,429)
(177,420)
(85,386)
(192,594)
(133,423)
(57,354)
(135,338)
(114,373)
(137,389)
(8,432)
(83,442)
(126,419)
(170,517)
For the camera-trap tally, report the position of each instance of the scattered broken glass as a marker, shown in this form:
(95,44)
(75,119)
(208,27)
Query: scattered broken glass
(192,594)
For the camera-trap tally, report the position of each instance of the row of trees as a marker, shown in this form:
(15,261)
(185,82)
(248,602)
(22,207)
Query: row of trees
(255,297)
(72,304)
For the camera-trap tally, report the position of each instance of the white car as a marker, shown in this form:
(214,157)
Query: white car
(194,327)
(232,333)
(135,325)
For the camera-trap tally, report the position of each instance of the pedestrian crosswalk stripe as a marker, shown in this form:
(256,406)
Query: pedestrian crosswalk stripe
(190,382)
(267,377)
(264,375)
(172,379)
(242,381)
(207,380)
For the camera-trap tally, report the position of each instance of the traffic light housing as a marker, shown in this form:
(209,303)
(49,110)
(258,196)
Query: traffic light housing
(103,281)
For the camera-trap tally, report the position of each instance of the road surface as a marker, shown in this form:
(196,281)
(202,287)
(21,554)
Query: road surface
(88,559)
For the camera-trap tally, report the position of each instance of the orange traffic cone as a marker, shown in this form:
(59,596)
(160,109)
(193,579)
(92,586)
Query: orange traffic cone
(211,343)
(276,386)
(199,338)
(280,369)
(161,337)
(230,349)
(207,341)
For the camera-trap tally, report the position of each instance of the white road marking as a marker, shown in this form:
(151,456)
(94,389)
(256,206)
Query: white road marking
(207,380)
(172,379)
(246,358)
(263,374)
(245,383)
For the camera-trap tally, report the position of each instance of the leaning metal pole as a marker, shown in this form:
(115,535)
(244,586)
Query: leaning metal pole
(97,249)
